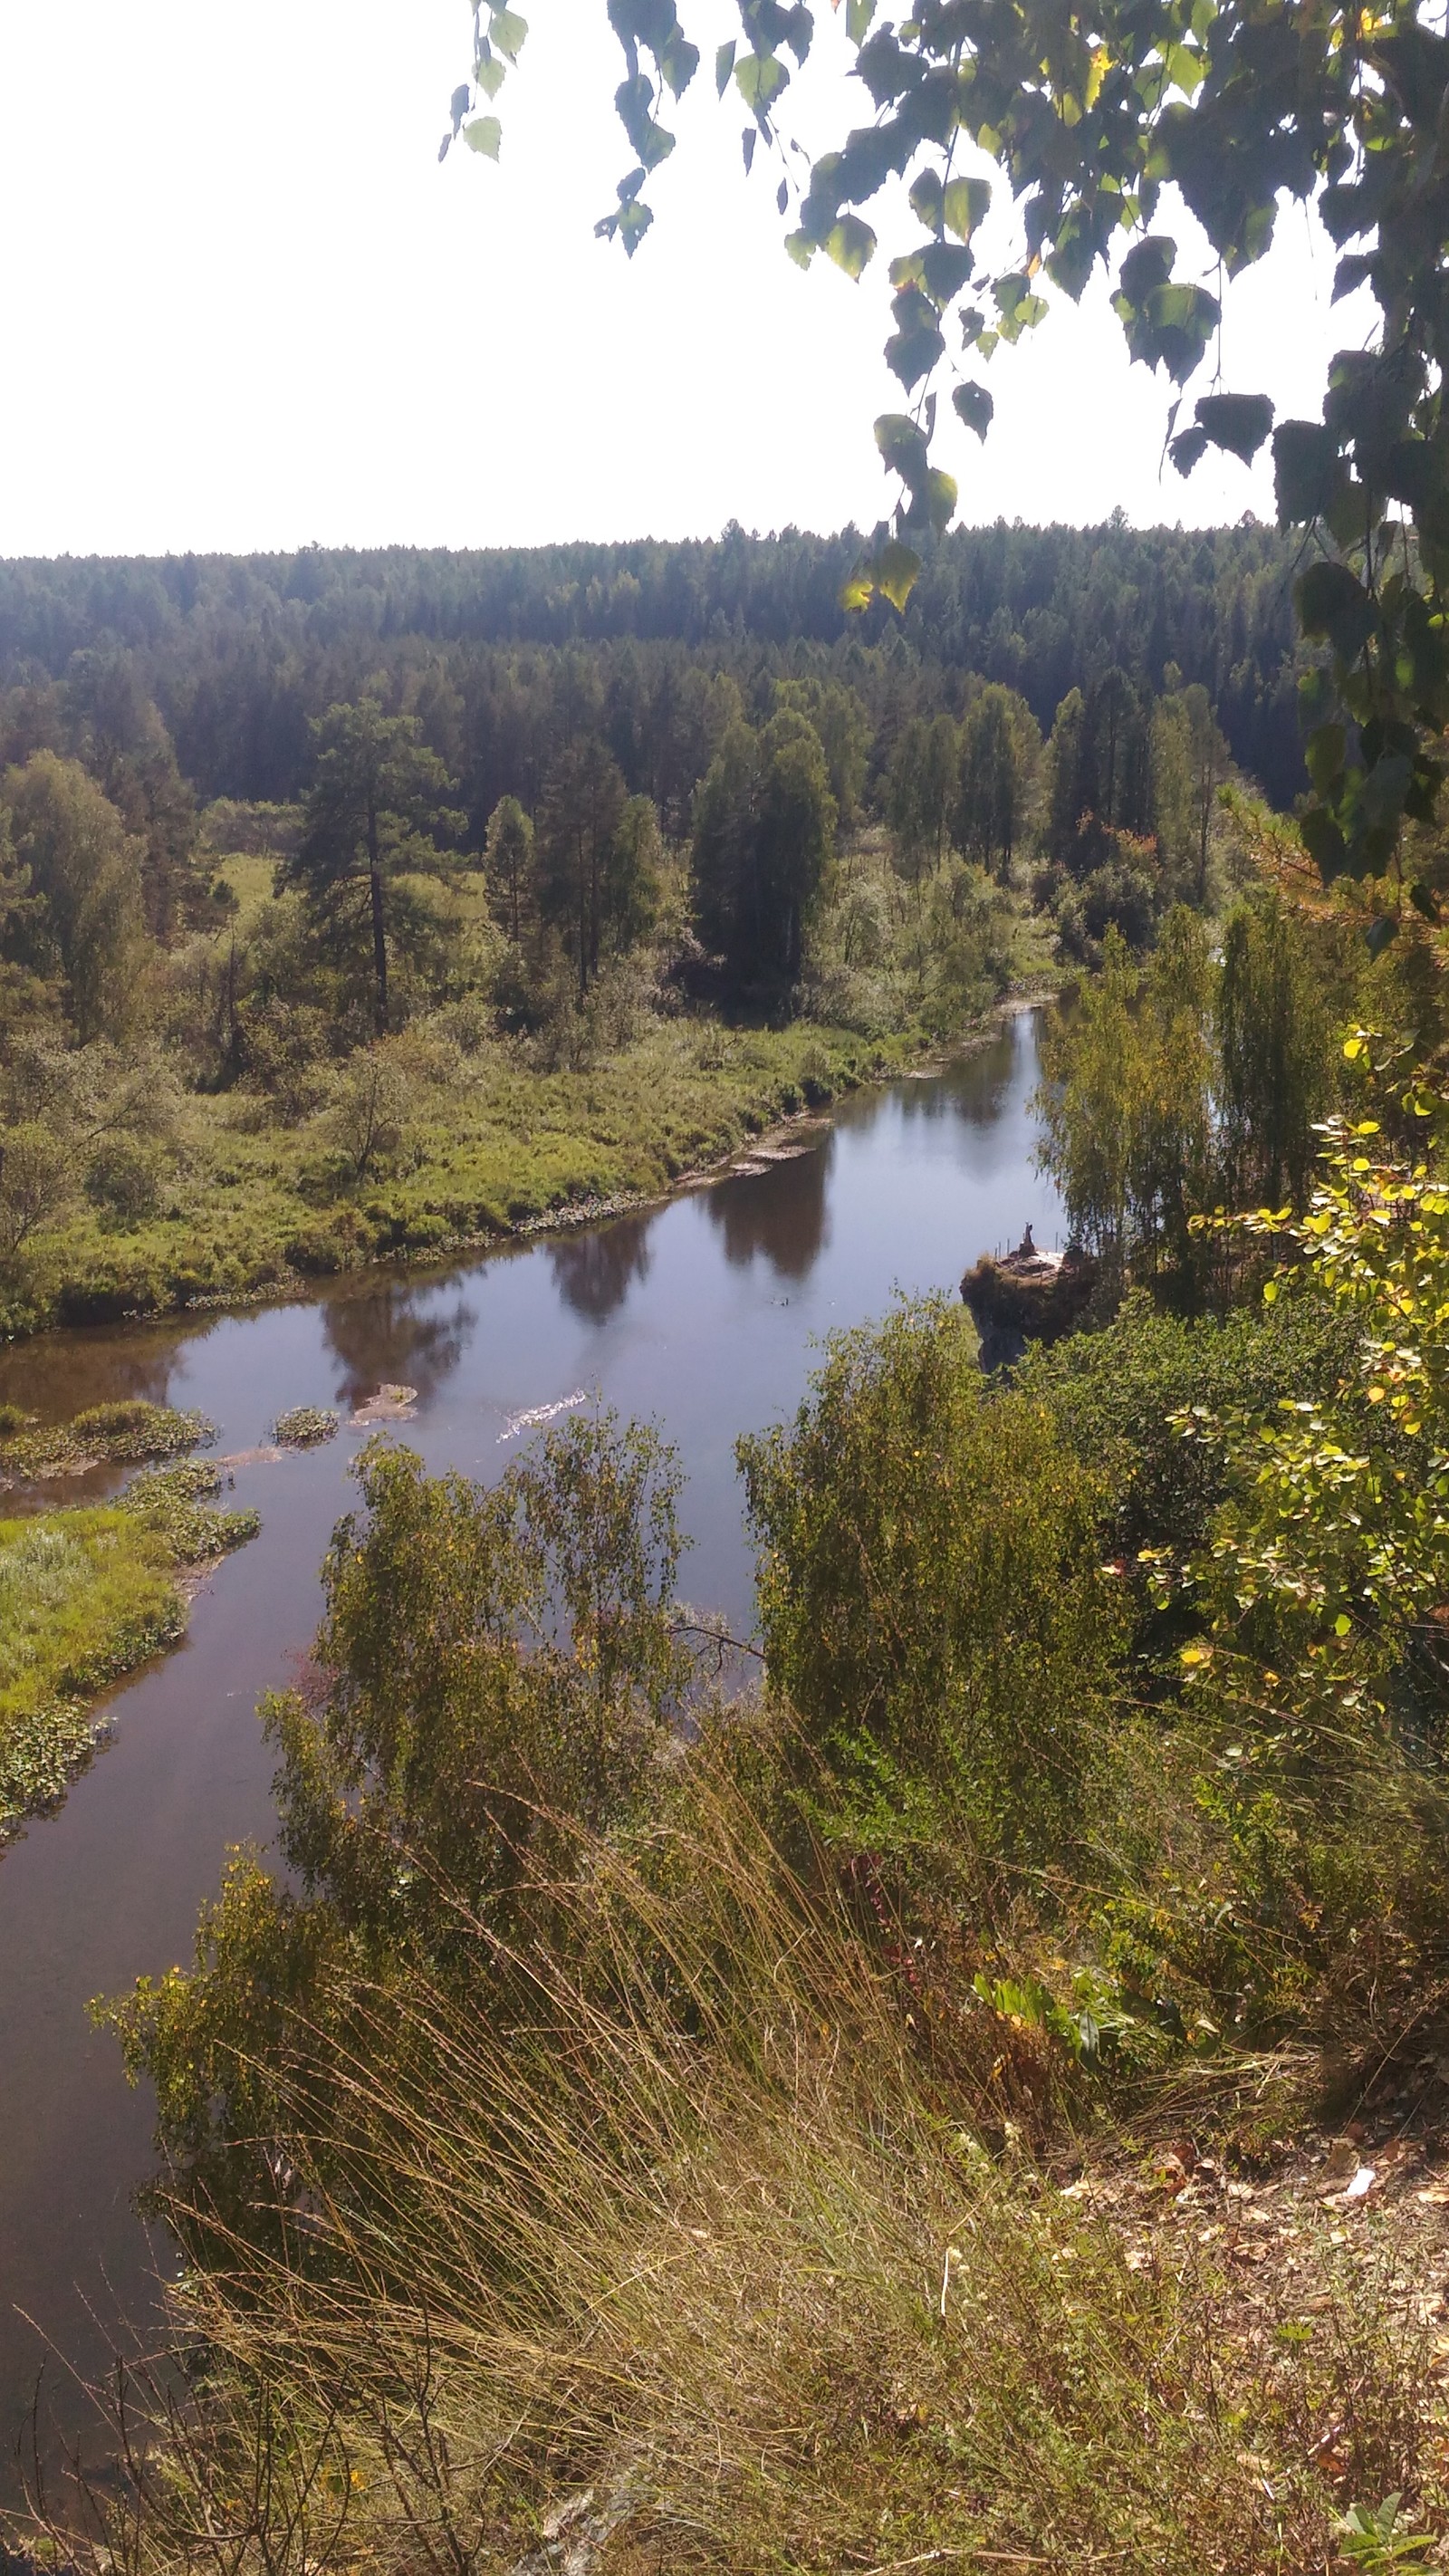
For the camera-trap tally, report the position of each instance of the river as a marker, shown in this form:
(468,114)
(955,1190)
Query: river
(703,1314)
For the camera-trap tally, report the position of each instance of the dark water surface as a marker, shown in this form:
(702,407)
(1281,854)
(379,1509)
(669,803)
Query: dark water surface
(702,1314)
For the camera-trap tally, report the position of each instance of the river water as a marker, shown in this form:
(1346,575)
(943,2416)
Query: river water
(702,1314)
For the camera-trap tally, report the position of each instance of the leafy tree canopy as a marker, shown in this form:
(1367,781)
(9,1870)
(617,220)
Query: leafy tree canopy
(376,802)
(1090,115)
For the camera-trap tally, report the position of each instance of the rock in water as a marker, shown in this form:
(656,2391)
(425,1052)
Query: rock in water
(1027,1296)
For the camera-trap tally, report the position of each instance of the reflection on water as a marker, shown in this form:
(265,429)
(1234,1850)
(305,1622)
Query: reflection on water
(977,1086)
(64,1374)
(780,1212)
(676,1314)
(396,1335)
(595,1269)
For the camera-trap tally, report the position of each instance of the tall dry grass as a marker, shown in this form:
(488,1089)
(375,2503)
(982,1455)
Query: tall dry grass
(686,2251)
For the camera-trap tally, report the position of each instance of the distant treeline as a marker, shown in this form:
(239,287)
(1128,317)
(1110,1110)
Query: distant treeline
(238,652)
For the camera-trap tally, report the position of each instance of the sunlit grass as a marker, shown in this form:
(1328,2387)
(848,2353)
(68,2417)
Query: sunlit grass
(85,1597)
(497,1145)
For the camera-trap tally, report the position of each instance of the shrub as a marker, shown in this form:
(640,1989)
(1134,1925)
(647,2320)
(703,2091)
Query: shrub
(34,1184)
(930,1589)
(318,1251)
(124,1178)
(368,1108)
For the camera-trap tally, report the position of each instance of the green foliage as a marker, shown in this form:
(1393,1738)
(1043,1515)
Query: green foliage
(369,1099)
(305,1426)
(1001,751)
(1190,765)
(508,1138)
(510,864)
(930,1591)
(377,803)
(1119,1394)
(1273,1050)
(83,875)
(1089,128)
(498,1670)
(85,1597)
(600,859)
(764,825)
(650,2104)
(493,1651)
(123,1179)
(1339,1542)
(122,1433)
(1377,2539)
(1176,1087)
(34,1183)
(175,1504)
(839,716)
(922,786)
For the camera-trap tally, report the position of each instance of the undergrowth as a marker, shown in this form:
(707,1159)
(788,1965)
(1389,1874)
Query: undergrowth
(492,1143)
(691,2253)
(117,1434)
(644,2132)
(85,1598)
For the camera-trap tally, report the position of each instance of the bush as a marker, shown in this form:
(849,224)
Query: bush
(930,1590)
(1125,895)
(34,1184)
(319,1252)
(124,1178)
(368,1107)
(286,1046)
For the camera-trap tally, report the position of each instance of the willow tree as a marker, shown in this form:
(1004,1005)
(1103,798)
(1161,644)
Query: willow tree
(1096,119)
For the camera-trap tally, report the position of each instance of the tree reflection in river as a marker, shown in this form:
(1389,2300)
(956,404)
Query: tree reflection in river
(975,1087)
(779,1212)
(61,1374)
(397,1335)
(595,1269)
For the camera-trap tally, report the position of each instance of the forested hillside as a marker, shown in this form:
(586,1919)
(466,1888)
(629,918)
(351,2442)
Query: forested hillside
(239,651)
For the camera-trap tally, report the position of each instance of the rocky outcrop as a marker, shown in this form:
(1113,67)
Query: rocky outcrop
(1026,1296)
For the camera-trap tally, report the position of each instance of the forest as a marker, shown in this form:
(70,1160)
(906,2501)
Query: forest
(955,2074)
(314,875)
(804,2100)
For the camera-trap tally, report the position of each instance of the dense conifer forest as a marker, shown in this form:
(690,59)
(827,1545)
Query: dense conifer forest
(239,651)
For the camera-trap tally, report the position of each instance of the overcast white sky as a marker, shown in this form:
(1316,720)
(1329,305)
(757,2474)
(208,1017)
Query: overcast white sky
(245,307)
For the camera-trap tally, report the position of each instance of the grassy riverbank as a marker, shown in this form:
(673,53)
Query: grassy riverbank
(86,1597)
(488,1145)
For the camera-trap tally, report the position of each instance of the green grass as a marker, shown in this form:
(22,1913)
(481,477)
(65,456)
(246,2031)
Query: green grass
(494,1147)
(114,1434)
(250,877)
(86,1597)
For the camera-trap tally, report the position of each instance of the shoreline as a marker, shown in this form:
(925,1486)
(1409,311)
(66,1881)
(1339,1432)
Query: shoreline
(298,1287)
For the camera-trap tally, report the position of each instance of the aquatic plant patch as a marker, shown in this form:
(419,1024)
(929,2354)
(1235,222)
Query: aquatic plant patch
(85,1598)
(106,1434)
(176,1503)
(306,1426)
